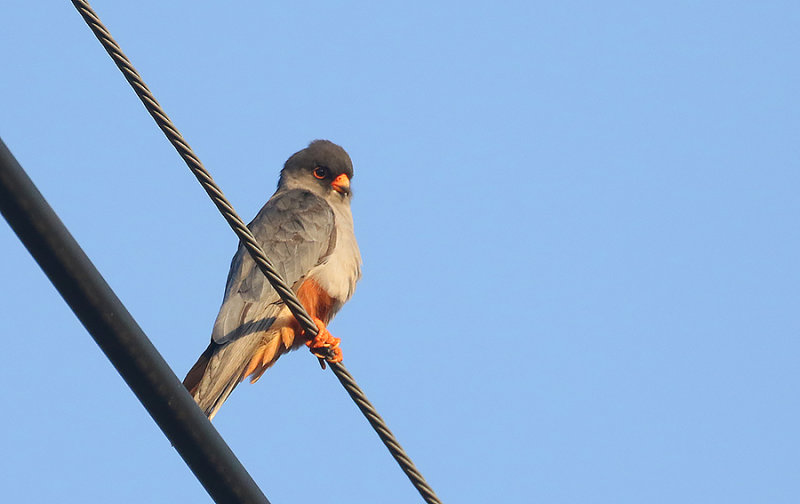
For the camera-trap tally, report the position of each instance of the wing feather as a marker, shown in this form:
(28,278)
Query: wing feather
(297,230)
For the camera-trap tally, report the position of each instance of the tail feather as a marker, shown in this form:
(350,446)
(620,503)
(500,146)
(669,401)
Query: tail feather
(193,377)
(221,368)
(218,371)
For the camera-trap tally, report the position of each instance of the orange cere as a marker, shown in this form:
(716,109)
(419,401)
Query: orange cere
(341,183)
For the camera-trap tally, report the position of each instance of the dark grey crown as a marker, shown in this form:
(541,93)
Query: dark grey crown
(320,153)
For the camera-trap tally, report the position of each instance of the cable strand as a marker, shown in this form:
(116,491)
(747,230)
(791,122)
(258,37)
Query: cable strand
(249,241)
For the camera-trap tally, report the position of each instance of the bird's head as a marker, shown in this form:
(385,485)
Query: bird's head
(323,168)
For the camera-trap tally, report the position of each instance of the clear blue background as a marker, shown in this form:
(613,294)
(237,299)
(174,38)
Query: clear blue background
(579,222)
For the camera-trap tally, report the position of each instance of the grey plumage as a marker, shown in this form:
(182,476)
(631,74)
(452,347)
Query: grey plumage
(306,230)
(297,229)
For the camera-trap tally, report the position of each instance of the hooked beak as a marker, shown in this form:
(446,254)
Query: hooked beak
(341,184)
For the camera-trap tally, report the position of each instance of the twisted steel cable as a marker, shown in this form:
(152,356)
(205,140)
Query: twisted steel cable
(250,243)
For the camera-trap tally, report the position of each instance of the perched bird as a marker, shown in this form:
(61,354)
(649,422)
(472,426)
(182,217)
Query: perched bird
(306,230)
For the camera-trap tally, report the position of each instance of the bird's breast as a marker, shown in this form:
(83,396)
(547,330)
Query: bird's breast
(340,272)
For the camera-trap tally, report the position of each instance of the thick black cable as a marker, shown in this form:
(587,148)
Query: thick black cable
(249,241)
(121,338)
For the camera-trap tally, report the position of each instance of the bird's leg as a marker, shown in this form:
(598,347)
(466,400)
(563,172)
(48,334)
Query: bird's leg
(324,345)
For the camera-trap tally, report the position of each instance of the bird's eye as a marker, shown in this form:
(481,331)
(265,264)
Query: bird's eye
(321,172)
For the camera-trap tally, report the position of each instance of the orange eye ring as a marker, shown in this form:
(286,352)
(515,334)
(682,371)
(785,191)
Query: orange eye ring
(321,172)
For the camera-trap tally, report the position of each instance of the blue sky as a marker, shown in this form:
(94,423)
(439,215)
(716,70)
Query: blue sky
(578,224)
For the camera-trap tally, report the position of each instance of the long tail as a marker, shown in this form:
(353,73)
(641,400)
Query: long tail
(217,372)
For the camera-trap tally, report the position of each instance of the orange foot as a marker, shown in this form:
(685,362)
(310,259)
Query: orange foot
(324,345)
